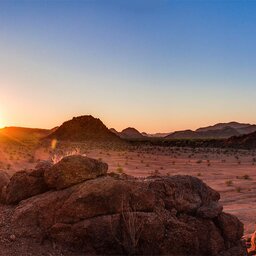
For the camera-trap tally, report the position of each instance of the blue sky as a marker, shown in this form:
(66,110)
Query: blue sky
(155,65)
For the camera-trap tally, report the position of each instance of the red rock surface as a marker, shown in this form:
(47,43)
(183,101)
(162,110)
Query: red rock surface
(111,215)
(72,170)
(119,215)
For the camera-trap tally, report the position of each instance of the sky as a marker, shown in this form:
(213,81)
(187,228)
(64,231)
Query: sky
(157,65)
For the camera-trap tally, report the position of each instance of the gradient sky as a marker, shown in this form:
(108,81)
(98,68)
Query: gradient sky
(156,65)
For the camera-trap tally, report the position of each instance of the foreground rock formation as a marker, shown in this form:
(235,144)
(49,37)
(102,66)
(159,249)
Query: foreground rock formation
(72,170)
(25,184)
(112,214)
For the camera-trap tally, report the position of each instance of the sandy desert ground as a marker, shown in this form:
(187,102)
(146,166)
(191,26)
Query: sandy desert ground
(230,172)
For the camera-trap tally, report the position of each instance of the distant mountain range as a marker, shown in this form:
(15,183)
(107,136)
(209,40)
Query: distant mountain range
(217,131)
(129,133)
(240,127)
(88,128)
(223,133)
(132,133)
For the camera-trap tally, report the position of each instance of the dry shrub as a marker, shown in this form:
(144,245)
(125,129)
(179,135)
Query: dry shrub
(131,228)
(57,157)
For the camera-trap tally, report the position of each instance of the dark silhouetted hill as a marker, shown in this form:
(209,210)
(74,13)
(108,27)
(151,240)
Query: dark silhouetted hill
(84,128)
(223,133)
(247,141)
(22,135)
(220,126)
(131,133)
(217,131)
(114,131)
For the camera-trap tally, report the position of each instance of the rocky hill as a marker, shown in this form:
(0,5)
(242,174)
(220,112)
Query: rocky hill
(84,128)
(186,134)
(223,133)
(247,129)
(131,133)
(114,131)
(22,135)
(80,208)
(217,131)
(219,126)
(247,141)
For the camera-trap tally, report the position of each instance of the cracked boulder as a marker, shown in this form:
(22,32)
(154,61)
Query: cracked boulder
(177,215)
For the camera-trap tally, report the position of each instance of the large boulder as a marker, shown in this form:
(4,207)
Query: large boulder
(177,215)
(72,170)
(25,184)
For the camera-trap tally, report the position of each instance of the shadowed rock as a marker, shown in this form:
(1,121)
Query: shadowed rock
(25,184)
(178,215)
(72,170)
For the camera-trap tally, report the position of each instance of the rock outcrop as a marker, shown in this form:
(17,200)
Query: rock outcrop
(72,170)
(25,184)
(177,215)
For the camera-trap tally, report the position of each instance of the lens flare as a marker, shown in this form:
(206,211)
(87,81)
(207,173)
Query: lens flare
(54,143)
